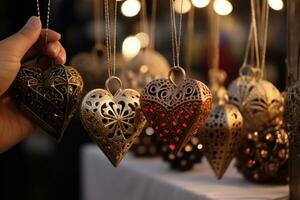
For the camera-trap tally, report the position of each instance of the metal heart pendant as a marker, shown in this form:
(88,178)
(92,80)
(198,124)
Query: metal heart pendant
(175,112)
(114,122)
(48,97)
(221,136)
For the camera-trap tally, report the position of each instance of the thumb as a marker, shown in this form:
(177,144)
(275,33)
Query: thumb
(25,38)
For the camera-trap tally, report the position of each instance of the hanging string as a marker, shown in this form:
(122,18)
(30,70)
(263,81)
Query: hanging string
(176,37)
(47,18)
(153,24)
(144,24)
(38,8)
(214,21)
(262,35)
(265,34)
(254,24)
(144,19)
(258,15)
(252,49)
(48,21)
(115,37)
(248,47)
(97,20)
(172,33)
(111,45)
(190,37)
(108,35)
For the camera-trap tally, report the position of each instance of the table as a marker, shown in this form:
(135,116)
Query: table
(152,179)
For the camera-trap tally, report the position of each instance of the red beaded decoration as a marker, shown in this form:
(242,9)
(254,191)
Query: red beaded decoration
(175,112)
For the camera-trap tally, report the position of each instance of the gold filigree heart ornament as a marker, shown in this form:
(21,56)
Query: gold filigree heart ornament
(48,94)
(113,121)
(222,132)
(176,111)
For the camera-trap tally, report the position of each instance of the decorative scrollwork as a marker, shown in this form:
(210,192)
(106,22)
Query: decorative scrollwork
(113,122)
(259,101)
(175,112)
(50,98)
(221,136)
(168,95)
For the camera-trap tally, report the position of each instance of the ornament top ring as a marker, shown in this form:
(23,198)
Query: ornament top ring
(176,68)
(109,80)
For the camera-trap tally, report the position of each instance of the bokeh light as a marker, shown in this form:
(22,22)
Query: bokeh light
(131,47)
(222,7)
(144,39)
(185,4)
(200,3)
(276,4)
(131,8)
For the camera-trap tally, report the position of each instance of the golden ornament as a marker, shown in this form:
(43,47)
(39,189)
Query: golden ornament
(48,94)
(113,121)
(263,156)
(259,101)
(221,136)
(222,132)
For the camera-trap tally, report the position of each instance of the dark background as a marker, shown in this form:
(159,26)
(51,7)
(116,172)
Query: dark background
(40,169)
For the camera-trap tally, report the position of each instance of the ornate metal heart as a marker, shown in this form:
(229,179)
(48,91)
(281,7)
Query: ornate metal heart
(49,97)
(113,122)
(221,136)
(176,111)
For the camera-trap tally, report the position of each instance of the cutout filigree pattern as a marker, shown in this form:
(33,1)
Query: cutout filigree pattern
(175,112)
(50,98)
(259,101)
(221,136)
(113,122)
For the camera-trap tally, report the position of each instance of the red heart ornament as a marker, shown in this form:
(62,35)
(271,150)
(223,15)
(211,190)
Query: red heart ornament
(176,111)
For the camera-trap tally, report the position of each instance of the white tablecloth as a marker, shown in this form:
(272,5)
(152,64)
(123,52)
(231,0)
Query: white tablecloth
(151,179)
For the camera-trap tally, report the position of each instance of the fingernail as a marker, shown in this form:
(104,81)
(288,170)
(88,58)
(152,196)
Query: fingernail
(33,22)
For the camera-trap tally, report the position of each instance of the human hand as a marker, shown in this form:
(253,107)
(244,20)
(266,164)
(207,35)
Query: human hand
(25,44)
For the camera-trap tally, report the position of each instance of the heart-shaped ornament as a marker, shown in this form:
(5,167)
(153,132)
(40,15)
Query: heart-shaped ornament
(221,136)
(176,111)
(114,122)
(48,94)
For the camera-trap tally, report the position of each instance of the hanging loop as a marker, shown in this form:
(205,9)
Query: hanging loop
(109,81)
(171,72)
(249,70)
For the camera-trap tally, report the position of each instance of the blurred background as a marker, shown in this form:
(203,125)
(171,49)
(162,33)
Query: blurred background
(39,168)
